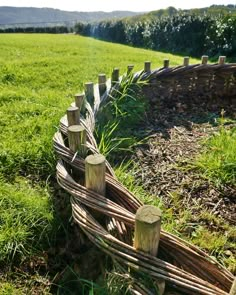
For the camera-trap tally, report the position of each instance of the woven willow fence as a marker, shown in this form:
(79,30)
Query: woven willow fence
(108,217)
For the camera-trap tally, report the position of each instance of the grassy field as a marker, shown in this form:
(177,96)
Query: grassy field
(39,75)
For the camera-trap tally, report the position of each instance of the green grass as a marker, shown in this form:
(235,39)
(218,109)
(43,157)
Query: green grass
(39,75)
(185,222)
(25,219)
(218,161)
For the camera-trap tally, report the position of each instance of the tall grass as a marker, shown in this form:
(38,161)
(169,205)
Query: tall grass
(218,161)
(25,219)
(39,76)
(120,115)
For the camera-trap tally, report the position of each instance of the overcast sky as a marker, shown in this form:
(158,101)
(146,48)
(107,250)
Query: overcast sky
(109,5)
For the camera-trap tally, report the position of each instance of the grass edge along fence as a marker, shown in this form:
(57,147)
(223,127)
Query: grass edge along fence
(105,209)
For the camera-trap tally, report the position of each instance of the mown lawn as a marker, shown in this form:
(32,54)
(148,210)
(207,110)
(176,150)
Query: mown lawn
(39,75)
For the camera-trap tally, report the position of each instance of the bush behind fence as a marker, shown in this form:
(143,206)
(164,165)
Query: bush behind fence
(186,33)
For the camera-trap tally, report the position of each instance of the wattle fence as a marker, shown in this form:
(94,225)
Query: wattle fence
(105,210)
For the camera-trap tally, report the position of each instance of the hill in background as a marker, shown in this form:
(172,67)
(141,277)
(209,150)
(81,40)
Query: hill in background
(25,16)
(214,10)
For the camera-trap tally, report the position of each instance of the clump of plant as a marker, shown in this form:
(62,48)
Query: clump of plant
(218,161)
(25,219)
(120,114)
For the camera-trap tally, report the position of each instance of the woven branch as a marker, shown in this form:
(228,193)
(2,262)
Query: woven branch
(186,267)
(211,81)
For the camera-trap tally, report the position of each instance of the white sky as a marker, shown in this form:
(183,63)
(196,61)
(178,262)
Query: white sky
(109,5)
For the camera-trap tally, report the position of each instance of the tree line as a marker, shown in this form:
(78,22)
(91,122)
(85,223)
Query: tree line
(49,30)
(184,33)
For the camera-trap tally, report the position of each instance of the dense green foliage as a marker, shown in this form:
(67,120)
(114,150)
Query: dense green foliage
(185,33)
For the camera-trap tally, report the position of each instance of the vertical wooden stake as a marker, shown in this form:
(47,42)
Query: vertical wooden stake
(102,83)
(89,92)
(73,116)
(186,61)
(147,66)
(147,234)
(204,59)
(115,76)
(79,98)
(233,288)
(166,63)
(95,169)
(129,69)
(77,139)
(147,229)
(221,60)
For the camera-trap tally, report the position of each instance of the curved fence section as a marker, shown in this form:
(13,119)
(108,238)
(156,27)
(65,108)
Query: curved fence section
(108,219)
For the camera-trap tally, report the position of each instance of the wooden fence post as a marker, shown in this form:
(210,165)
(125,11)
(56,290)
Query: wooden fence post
(129,69)
(221,60)
(115,76)
(79,99)
(77,139)
(102,83)
(147,229)
(166,63)
(204,59)
(73,116)
(95,169)
(89,92)
(233,288)
(147,66)
(186,61)
(147,234)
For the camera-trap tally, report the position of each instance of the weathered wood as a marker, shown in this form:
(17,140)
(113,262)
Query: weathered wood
(147,229)
(115,76)
(166,63)
(147,234)
(73,116)
(147,66)
(221,60)
(95,169)
(77,139)
(186,61)
(89,92)
(79,99)
(233,288)
(204,59)
(102,83)
(129,69)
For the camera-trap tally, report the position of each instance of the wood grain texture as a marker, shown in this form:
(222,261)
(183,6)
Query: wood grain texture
(77,139)
(233,288)
(73,116)
(147,229)
(95,169)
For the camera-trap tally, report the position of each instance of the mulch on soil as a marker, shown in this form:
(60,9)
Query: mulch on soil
(177,129)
